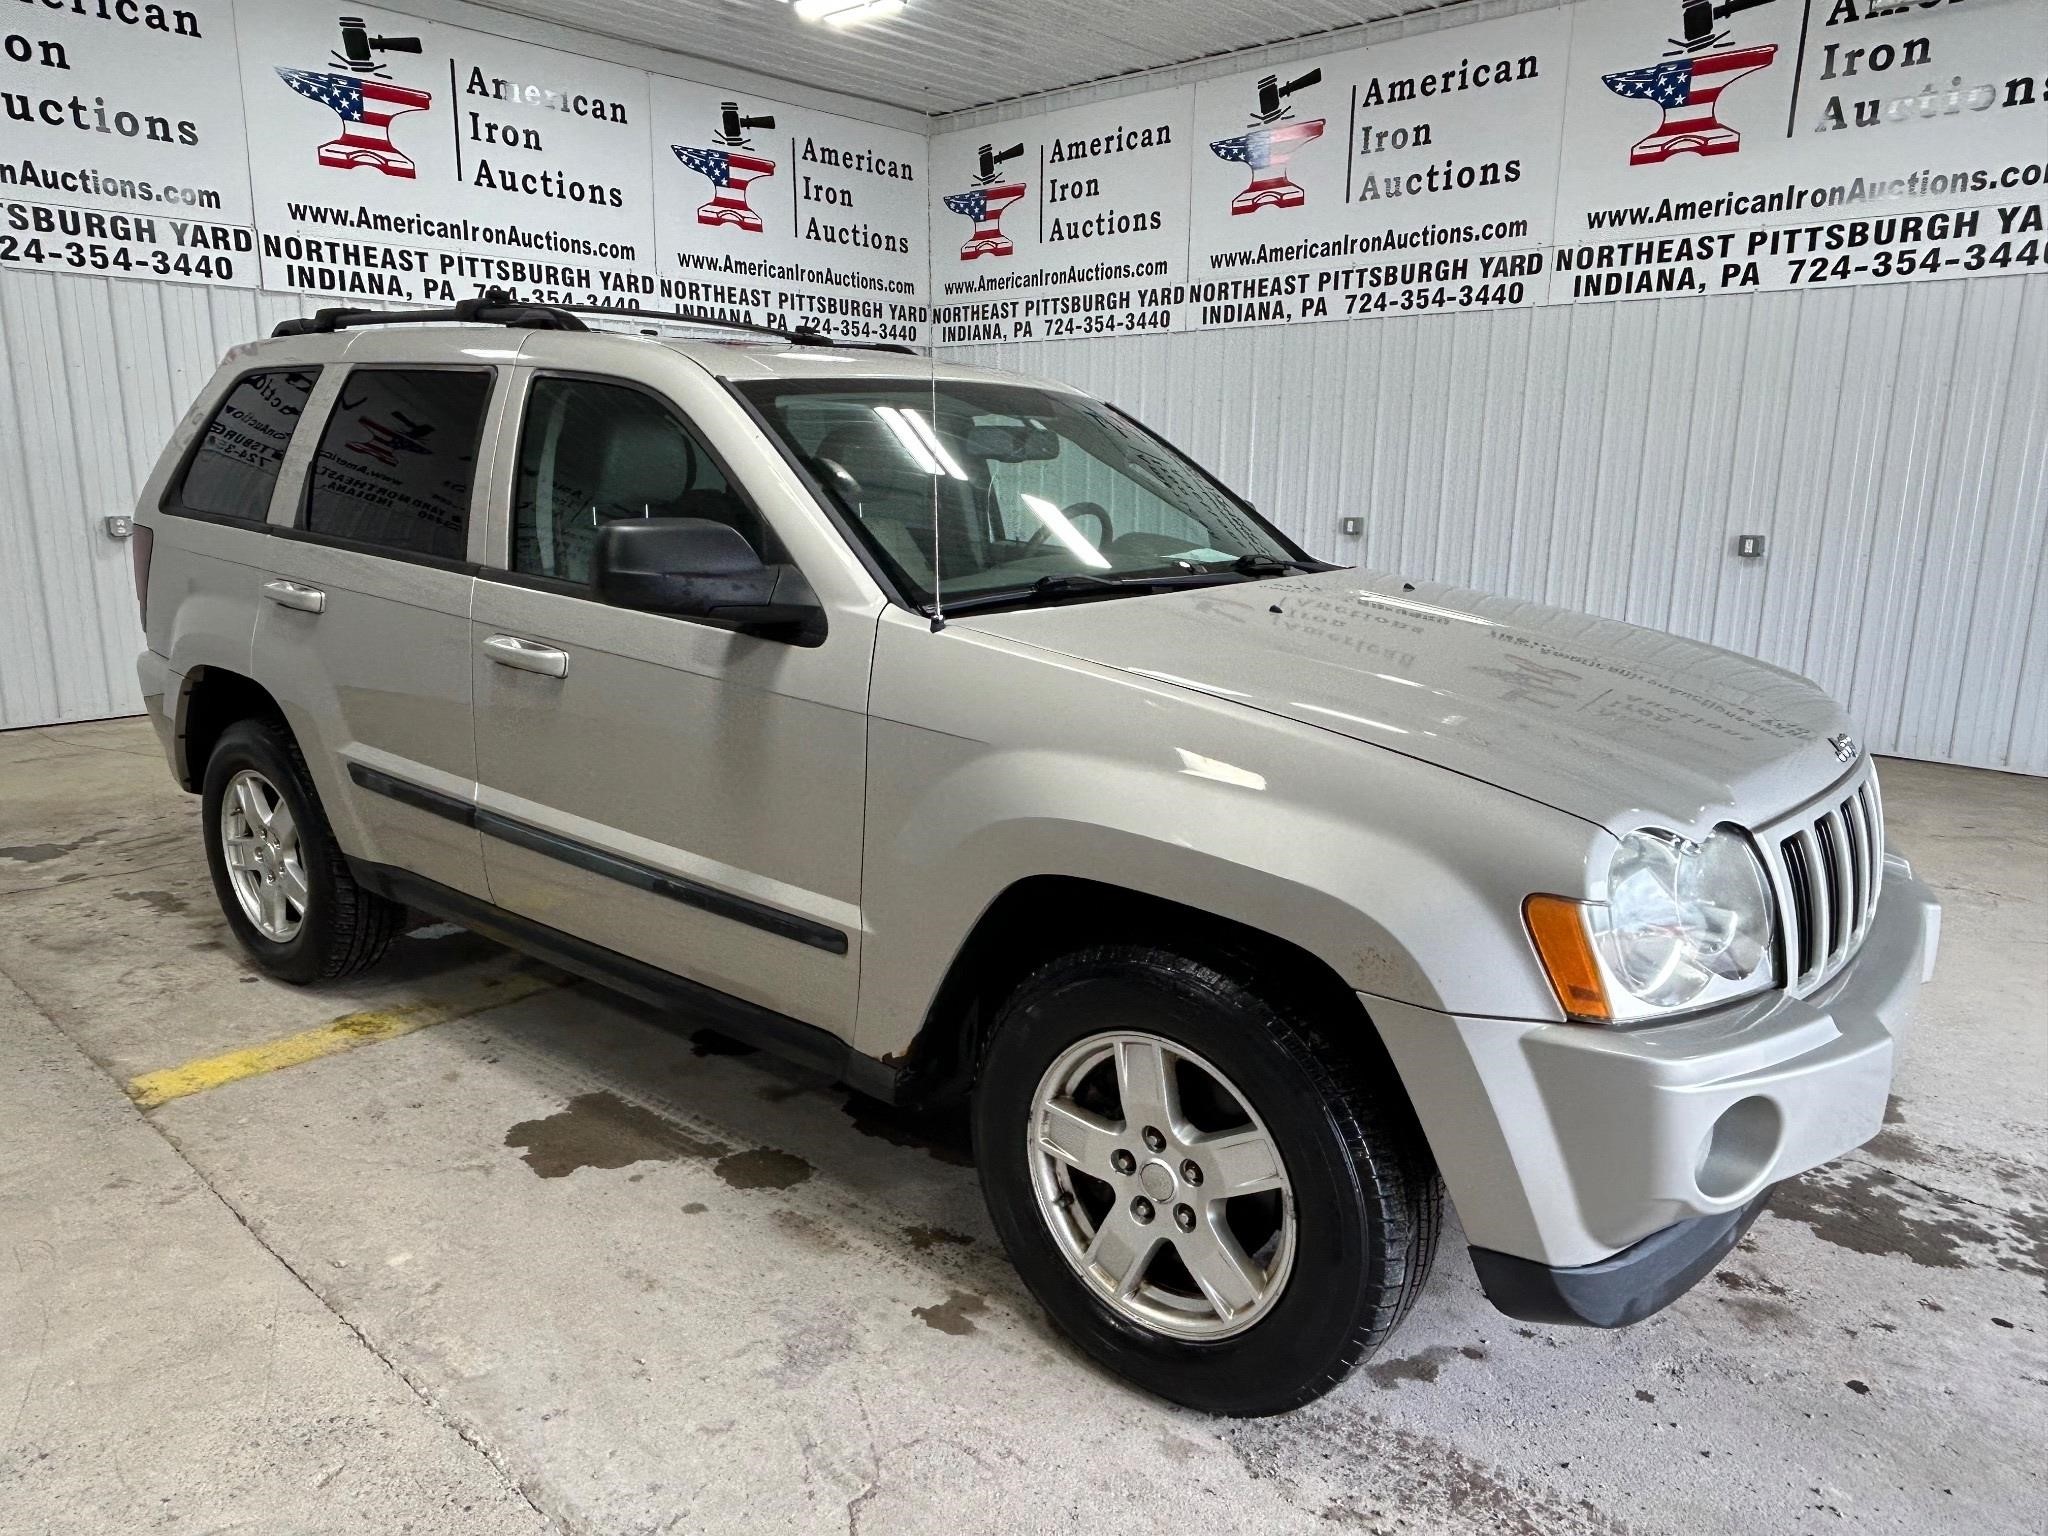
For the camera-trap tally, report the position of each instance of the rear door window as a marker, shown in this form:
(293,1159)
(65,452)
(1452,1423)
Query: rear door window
(234,469)
(398,459)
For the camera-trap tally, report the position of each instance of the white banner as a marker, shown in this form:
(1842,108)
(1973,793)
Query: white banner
(121,149)
(402,160)
(785,216)
(1611,149)
(1417,175)
(1794,142)
(1069,224)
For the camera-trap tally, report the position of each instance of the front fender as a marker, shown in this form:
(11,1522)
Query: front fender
(1005,762)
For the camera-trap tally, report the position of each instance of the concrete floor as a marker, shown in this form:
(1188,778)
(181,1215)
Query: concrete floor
(558,1266)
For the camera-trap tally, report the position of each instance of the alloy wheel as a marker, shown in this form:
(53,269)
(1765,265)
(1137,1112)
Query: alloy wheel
(260,838)
(1161,1185)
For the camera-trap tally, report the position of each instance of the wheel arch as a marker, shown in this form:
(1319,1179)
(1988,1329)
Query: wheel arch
(211,699)
(1039,917)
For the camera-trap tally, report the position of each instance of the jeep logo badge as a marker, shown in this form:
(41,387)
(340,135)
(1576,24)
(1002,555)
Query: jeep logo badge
(1845,747)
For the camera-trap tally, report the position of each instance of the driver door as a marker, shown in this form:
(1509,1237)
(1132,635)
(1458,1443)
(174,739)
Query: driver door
(678,793)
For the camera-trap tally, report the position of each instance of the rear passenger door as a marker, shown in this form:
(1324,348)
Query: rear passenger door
(363,631)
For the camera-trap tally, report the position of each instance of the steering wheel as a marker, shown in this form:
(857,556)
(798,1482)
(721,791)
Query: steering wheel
(1093,510)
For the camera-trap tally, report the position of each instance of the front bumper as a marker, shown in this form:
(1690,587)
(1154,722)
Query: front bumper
(1643,1278)
(1565,1144)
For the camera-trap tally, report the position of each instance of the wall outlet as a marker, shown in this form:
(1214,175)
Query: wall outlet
(1351,527)
(118,526)
(1749,546)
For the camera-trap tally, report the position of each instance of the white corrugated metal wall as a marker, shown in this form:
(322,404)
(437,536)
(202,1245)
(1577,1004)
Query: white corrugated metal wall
(1890,442)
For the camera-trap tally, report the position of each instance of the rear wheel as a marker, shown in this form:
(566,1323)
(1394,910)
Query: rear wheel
(1211,1198)
(282,882)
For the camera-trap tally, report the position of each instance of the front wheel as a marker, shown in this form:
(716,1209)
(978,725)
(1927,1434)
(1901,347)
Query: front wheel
(1208,1196)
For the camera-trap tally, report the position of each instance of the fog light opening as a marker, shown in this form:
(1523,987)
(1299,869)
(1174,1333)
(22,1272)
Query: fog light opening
(1740,1149)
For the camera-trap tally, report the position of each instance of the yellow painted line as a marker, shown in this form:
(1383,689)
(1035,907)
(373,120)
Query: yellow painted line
(346,1033)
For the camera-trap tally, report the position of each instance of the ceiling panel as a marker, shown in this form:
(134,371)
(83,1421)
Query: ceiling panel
(946,55)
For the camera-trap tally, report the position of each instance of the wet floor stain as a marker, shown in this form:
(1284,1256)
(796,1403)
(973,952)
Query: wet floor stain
(1761,1315)
(157,901)
(1423,1367)
(602,1130)
(1875,1211)
(954,1315)
(806,1233)
(924,1239)
(709,1042)
(695,1208)
(945,1142)
(762,1168)
(1734,1280)
(42,853)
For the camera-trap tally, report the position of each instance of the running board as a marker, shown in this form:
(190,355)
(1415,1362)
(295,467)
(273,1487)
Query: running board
(805,1044)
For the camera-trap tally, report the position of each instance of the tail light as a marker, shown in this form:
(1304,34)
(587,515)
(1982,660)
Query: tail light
(141,544)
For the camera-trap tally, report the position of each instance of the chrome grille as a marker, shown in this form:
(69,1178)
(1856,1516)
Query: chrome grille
(1827,866)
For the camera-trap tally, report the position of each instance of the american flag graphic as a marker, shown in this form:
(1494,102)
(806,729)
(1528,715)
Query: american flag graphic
(1688,90)
(366,108)
(985,206)
(730,173)
(1266,151)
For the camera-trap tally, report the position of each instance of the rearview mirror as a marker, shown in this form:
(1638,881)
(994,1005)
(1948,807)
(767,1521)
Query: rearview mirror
(694,568)
(1004,444)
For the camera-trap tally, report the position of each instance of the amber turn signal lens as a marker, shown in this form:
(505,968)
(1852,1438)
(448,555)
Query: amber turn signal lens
(1566,950)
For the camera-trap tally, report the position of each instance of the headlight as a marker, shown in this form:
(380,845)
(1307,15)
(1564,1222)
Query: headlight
(1684,925)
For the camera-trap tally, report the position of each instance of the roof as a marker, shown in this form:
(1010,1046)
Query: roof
(737,359)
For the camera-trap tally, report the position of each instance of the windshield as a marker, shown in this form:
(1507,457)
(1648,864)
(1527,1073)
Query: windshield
(991,489)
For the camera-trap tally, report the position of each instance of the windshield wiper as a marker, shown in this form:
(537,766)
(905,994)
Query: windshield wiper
(1080,584)
(1273,565)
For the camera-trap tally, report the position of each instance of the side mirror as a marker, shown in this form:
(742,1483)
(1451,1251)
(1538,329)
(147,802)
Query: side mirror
(694,568)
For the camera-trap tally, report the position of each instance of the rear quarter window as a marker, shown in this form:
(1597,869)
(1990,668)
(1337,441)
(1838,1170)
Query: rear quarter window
(234,467)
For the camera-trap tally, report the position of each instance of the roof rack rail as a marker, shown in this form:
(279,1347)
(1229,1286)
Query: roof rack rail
(802,335)
(497,307)
(493,307)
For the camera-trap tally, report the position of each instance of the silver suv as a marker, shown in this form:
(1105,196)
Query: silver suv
(952,732)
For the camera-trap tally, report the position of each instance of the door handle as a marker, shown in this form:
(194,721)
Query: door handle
(527,655)
(289,594)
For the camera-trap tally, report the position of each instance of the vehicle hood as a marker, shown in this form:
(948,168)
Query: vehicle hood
(1598,718)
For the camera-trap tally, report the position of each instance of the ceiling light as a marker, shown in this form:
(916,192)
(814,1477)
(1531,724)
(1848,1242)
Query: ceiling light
(846,13)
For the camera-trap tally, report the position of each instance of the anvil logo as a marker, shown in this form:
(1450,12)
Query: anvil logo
(731,167)
(366,105)
(1688,87)
(1269,143)
(987,201)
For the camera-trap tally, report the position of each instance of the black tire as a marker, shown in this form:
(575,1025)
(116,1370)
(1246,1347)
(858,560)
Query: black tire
(1367,1199)
(344,928)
